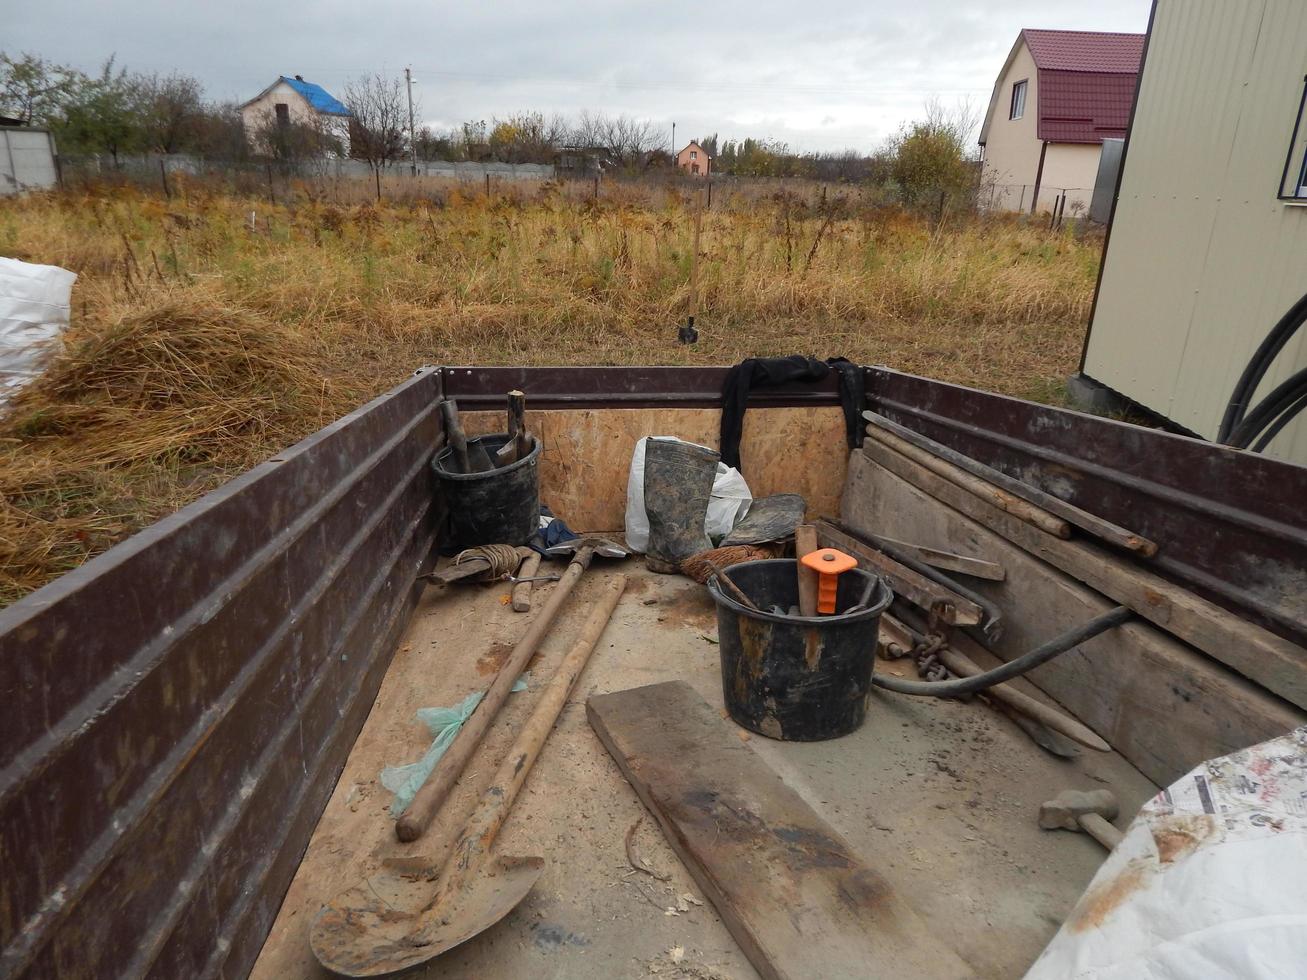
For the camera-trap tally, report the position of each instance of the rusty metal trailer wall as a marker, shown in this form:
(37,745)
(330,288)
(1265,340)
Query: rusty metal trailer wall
(1231,525)
(176,711)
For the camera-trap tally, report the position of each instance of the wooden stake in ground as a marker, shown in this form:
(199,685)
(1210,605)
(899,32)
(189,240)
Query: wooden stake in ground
(687,334)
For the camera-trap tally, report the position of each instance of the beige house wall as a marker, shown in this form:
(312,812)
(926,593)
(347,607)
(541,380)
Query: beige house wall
(1069,167)
(1011,155)
(1203,258)
(260,113)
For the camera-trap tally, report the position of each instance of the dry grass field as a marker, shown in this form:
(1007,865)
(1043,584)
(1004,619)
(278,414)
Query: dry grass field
(209,330)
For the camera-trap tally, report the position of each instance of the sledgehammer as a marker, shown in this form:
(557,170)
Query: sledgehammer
(1090,812)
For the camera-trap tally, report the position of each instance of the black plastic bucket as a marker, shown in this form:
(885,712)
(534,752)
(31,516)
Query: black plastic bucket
(495,507)
(790,677)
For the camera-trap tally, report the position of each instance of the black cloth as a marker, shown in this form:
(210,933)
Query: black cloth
(769,372)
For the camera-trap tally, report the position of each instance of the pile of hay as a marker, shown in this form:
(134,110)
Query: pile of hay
(138,415)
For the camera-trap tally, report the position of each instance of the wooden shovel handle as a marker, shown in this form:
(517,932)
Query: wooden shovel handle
(805,543)
(473,845)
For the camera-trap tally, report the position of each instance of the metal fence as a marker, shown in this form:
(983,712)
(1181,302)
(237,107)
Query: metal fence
(1059,201)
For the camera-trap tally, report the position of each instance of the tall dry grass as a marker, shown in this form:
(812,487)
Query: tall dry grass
(210,330)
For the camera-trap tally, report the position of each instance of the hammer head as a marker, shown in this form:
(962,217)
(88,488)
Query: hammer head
(601,546)
(1063,812)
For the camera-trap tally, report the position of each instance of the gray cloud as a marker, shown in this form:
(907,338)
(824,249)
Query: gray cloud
(842,74)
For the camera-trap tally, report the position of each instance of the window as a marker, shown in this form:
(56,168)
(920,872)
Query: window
(283,114)
(1018,100)
(694,154)
(1293,182)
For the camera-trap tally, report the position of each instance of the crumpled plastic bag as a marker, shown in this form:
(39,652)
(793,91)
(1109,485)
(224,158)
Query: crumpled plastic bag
(729,501)
(444,724)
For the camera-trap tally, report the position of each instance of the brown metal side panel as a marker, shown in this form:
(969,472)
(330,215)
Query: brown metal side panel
(1230,525)
(182,705)
(639,386)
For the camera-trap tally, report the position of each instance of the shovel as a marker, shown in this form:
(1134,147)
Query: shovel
(359,935)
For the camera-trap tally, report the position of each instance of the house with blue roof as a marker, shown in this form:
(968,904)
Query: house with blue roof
(292,103)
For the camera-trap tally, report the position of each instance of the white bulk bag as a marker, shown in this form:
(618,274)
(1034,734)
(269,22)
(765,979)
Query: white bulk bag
(34,308)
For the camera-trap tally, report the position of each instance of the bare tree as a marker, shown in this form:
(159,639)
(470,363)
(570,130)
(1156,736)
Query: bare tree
(628,140)
(378,118)
(173,108)
(293,142)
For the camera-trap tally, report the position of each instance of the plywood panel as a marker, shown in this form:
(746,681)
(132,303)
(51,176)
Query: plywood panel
(587,454)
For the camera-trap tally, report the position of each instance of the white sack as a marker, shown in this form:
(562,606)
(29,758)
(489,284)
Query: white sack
(730,499)
(1209,881)
(34,308)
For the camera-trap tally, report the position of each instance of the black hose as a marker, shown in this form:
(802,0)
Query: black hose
(1258,366)
(1013,668)
(1282,397)
(1287,416)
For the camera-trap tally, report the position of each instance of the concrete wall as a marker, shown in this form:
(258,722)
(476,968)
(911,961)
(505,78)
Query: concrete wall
(1012,147)
(1203,258)
(26,160)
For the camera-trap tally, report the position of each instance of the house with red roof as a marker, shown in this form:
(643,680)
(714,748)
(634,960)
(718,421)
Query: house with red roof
(1059,95)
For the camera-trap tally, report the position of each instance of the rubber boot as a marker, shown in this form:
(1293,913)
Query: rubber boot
(678,479)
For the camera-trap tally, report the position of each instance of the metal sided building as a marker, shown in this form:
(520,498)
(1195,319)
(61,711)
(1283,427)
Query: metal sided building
(1207,248)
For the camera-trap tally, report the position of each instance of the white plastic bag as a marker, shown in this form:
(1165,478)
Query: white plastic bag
(1208,880)
(34,308)
(727,505)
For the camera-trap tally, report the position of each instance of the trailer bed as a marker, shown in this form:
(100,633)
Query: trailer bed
(940,796)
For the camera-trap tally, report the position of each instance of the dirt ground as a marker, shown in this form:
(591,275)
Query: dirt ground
(940,796)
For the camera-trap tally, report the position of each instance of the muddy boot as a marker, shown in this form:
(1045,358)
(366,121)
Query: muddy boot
(678,479)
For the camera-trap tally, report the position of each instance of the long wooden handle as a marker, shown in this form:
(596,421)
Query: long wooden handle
(473,844)
(805,542)
(1102,831)
(964,666)
(432,793)
(1022,509)
(522,590)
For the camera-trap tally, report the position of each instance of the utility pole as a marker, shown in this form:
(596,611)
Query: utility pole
(412,133)
(673,142)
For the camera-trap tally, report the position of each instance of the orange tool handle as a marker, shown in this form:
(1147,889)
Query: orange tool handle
(829,564)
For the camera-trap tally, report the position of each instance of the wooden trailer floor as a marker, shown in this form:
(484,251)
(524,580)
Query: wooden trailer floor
(940,796)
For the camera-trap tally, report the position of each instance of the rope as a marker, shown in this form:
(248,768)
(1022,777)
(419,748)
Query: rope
(503,559)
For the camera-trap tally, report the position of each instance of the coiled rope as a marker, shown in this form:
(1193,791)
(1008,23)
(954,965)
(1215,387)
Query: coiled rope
(503,559)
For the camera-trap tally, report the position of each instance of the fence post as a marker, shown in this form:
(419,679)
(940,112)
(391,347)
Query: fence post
(163,174)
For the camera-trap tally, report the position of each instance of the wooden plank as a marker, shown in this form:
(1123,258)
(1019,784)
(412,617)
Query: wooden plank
(1162,705)
(898,435)
(949,562)
(1272,661)
(792,892)
(905,582)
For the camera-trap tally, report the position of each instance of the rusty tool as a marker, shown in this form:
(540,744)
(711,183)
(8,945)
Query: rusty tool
(1077,810)
(359,935)
(432,793)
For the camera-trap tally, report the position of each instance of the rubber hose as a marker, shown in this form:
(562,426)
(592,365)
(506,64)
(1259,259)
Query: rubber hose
(1285,418)
(1013,668)
(1258,365)
(1284,395)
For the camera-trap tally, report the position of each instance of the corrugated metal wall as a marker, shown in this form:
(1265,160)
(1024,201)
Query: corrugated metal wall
(26,160)
(1203,258)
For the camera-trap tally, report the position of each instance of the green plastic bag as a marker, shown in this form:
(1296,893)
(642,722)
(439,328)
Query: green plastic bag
(444,724)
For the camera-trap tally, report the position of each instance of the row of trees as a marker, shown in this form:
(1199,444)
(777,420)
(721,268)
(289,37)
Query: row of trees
(114,112)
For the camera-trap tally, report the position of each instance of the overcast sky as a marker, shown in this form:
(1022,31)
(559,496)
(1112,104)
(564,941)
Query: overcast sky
(829,76)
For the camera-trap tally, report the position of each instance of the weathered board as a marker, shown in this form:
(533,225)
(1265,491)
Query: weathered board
(587,453)
(794,895)
(1162,705)
(1273,662)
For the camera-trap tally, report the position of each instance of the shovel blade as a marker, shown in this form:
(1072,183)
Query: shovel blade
(360,936)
